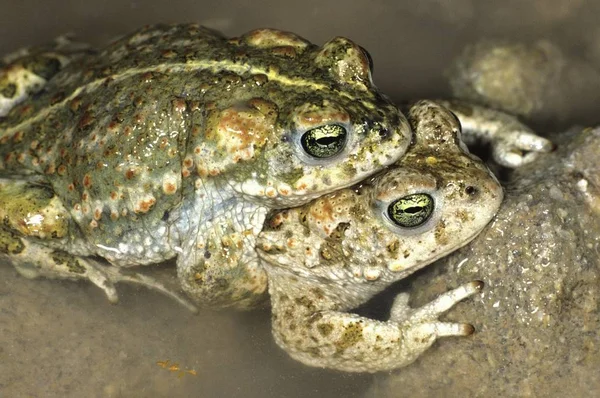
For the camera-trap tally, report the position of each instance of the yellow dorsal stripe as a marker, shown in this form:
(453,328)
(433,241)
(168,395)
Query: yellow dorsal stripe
(272,75)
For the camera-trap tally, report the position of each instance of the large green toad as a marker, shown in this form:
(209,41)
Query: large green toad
(174,142)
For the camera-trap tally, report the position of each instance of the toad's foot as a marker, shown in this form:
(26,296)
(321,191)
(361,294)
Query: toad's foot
(513,143)
(33,260)
(422,323)
(113,275)
(325,337)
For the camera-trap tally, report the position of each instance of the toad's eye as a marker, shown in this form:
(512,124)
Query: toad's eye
(411,211)
(324,141)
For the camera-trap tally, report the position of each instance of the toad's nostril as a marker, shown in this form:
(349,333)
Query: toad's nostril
(471,190)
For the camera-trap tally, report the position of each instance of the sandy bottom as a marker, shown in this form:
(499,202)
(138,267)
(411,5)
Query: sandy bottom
(62,338)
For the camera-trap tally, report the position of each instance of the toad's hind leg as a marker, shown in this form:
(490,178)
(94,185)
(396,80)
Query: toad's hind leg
(33,260)
(35,228)
(222,283)
(217,264)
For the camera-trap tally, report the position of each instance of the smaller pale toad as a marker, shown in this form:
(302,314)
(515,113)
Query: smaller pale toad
(335,253)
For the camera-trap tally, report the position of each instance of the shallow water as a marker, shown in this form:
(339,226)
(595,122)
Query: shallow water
(59,338)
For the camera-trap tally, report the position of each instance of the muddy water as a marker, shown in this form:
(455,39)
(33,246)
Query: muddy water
(60,338)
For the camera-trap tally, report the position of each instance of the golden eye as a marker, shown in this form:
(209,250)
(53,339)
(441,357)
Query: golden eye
(324,141)
(411,210)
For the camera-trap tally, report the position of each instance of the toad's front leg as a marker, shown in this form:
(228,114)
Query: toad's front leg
(36,232)
(512,143)
(345,341)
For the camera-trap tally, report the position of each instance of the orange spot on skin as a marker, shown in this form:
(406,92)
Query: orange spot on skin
(168,54)
(143,206)
(271,192)
(18,136)
(179,105)
(322,211)
(240,130)
(185,173)
(314,115)
(75,104)
(25,110)
(130,173)
(97,214)
(114,215)
(148,77)
(87,180)
(56,98)
(195,104)
(202,172)
(164,142)
(113,126)
(114,195)
(85,121)
(276,220)
(50,169)
(285,51)
(169,188)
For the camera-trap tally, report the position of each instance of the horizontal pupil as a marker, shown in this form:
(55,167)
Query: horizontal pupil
(413,210)
(326,141)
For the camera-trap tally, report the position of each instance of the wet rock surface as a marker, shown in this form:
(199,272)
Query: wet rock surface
(538,81)
(538,318)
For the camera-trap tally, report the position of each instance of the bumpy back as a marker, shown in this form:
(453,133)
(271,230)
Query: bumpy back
(131,131)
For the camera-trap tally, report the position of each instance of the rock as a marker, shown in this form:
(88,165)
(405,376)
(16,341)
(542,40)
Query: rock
(537,81)
(538,318)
